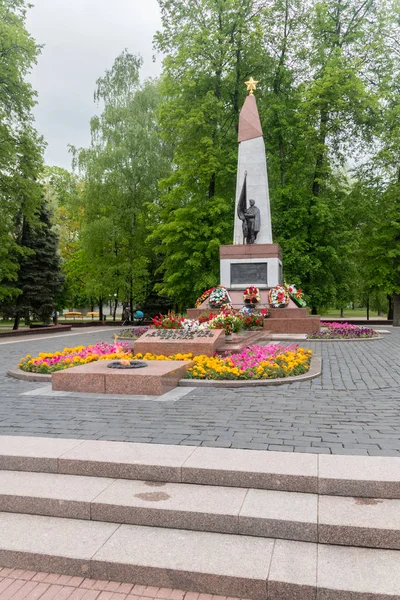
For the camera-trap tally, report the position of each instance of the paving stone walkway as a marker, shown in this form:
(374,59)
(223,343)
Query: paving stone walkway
(17,584)
(353,408)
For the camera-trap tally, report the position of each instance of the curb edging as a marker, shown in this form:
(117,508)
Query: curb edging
(27,376)
(371,339)
(315,371)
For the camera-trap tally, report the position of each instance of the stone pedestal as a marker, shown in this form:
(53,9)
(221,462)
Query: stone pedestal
(156,379)
(250,264)
(173,341)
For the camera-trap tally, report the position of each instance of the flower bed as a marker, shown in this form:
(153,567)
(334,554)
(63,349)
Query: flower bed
(253,320)
(255,362)
(47,362)
(341,331)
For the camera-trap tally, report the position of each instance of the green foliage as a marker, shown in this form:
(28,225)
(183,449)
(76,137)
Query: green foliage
(210,49)
(152,198)
(20,147)
(39,277)
(119,173)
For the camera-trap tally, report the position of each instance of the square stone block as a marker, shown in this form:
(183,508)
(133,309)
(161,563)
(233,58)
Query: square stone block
(276,514)
(359,522)
(252,468)
(169,342)
(157,378)
(49,494)
(158,504)
(126,460)
(37,543)
(357,573)
(293,572)
(20,453)
(213,563)
(365,476)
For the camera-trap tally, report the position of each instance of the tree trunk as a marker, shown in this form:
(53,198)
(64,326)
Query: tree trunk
(396,310)
(131,301)
(341,313)
(314,310)
(115,308)
(100,309)
(16,321)
(368,308)
(390,308)
(211,187)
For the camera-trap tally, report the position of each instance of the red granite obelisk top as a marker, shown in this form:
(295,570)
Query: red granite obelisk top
(249,121)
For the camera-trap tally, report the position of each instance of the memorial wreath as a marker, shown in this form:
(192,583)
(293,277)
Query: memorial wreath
(296,295)
(219,297)
(251,295)
(278,297)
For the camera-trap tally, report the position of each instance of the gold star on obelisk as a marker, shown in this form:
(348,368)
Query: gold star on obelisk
(251,85)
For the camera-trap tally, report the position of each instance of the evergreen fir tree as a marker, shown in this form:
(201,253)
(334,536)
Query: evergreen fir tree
(39,278)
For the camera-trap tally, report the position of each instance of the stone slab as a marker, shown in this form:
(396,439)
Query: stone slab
(125,460)
(293,573)
(359,522)
(241,273)
(250,251)
(278,514)
(168,342)
(252,468)
(291,311)
(308,324)
(199,561)
(157,378)
(33,542)
(20,453)
(49,494)
(357,573)
(369,476)
(184,506)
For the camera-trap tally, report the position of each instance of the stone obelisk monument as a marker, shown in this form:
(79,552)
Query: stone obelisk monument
(252,259)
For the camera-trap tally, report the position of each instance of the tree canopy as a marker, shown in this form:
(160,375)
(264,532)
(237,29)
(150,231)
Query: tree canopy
(141,215)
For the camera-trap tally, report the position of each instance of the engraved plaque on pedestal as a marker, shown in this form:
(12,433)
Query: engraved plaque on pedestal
(249,273)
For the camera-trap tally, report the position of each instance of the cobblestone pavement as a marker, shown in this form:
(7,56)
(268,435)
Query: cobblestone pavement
(353,408)
(17,584)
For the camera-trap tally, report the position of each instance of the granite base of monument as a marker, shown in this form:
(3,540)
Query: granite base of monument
(242,265)
(168,342)
(156,379)
(290,319)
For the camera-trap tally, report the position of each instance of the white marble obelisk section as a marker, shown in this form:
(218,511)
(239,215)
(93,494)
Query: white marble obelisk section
(258,264)
(252,159)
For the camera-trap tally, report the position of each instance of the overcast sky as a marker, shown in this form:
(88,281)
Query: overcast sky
(81,40)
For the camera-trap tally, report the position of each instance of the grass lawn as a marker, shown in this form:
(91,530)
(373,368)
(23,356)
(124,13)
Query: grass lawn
(349,313)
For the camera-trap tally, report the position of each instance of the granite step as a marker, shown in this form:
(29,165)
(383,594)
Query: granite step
(215,563)
(360,522)
(337,475)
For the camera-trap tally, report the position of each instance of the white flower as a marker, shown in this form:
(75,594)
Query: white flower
(190,325)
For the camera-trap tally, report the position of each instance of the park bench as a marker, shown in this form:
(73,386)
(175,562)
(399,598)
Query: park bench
(70,314)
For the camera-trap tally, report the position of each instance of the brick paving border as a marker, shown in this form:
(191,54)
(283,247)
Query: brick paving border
(17,584)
